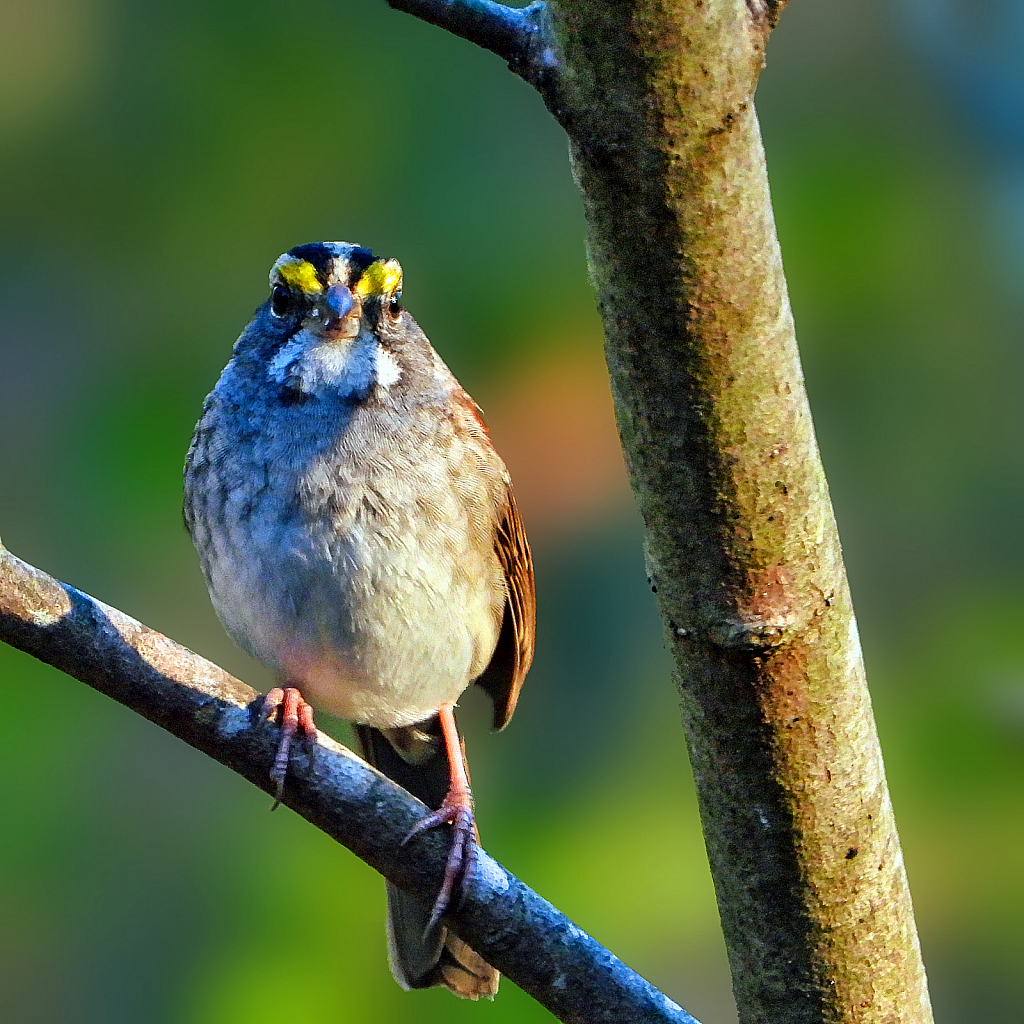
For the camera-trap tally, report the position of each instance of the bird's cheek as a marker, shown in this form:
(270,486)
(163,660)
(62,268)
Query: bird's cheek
(281,364)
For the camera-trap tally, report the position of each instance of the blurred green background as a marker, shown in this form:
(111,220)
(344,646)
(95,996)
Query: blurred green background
(155,160)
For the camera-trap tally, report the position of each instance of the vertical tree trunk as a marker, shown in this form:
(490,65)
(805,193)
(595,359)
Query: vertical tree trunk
(741,547)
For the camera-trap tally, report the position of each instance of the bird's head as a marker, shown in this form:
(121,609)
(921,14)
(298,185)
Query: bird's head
(332,309)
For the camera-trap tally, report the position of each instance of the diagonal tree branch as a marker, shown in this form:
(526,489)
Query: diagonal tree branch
(525,937)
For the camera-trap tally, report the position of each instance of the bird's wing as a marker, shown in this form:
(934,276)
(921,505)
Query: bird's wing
(504,675)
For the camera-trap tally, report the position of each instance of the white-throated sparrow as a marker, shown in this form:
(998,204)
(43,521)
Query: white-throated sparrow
(358,534)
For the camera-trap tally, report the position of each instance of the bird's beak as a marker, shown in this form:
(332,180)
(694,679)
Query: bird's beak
(337,305)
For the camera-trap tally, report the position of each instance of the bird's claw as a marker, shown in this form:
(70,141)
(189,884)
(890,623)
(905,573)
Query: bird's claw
(287,705)
(457,811)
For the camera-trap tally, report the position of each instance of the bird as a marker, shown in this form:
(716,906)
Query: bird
(359,535)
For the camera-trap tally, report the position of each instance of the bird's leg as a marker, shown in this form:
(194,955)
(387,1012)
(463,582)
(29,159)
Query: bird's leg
(455,810)
(288,704)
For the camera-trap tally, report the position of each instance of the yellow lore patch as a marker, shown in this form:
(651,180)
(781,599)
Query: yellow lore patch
(299,274)
(380,278)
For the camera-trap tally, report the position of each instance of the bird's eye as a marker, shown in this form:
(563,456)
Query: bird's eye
(280,300)
(395,305)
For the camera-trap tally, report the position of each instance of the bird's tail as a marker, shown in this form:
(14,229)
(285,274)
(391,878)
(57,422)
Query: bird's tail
(422,958)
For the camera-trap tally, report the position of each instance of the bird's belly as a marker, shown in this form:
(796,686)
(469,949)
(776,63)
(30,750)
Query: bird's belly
(332,680)
(379,639)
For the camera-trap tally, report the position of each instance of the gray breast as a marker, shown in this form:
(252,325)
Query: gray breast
(351,550)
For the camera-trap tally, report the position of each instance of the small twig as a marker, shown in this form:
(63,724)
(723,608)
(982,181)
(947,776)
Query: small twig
(519,35)
(526,938)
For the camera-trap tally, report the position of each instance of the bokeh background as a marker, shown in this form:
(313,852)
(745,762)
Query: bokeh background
(155,159)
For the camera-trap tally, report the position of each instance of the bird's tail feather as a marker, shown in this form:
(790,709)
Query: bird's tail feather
(420,958)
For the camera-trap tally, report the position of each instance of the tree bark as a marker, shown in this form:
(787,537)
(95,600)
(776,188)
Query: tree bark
(657,99)
(742,547)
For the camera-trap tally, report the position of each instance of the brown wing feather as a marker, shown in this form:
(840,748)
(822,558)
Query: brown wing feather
(503,677)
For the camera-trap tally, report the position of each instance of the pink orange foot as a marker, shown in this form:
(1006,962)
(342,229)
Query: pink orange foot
(457,811)
(287,705)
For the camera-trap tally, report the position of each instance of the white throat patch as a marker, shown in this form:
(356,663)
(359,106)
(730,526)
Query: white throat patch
(350,367)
